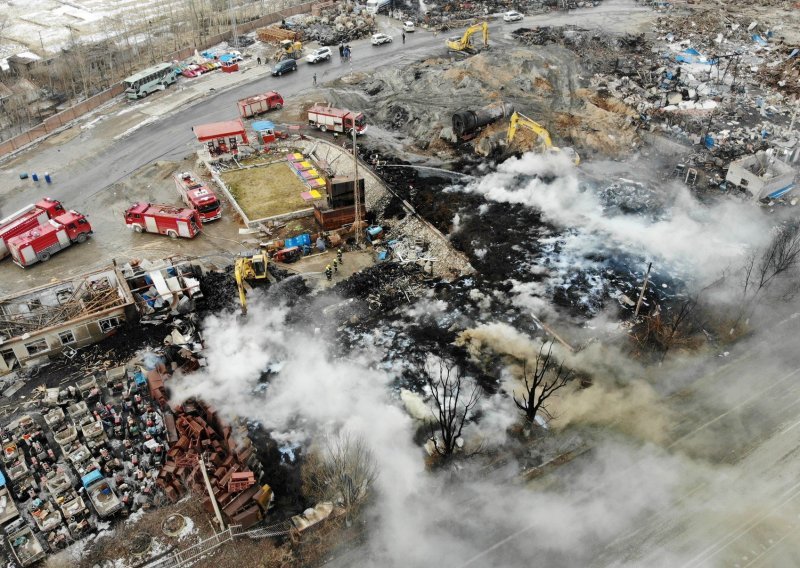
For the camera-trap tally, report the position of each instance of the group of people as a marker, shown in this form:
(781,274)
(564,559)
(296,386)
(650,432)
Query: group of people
(333,267)
(344,52)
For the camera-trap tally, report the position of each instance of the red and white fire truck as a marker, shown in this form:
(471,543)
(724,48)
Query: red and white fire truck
(39,244)
(257,104)
(198,196)
(163,219)
(336,119)
(26,219)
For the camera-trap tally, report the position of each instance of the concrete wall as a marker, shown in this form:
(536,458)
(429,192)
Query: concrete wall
(777,175)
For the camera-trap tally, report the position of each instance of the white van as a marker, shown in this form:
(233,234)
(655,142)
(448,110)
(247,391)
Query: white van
(408,26)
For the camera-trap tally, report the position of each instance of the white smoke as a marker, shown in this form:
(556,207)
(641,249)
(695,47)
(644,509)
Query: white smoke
(704,240)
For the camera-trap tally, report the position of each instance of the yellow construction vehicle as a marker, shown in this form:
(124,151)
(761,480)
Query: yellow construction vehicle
(463,44)
(289,50)
(545,144)
(250,268)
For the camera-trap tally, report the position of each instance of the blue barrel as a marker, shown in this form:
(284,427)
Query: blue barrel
(47,178)
(35,177)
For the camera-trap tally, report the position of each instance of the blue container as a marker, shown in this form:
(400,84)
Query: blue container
(35,177)
(298,241)
(23,175)
(47,178)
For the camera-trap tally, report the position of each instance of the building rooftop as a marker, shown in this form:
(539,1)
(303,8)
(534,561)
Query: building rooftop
(56,303)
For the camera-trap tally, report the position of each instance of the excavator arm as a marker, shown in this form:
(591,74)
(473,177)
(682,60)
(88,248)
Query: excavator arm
(464,43)
(543,136)
(239,269)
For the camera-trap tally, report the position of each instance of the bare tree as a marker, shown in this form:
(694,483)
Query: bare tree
(342,470)
(661,330)
(547,378)
(453,401)
(762,271)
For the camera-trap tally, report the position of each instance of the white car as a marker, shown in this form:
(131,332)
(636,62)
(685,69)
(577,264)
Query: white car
(235,56)
(408,27)
(378,39)
(320,54)
(512,16)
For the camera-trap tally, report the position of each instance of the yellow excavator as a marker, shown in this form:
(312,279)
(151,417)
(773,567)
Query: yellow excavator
(519,120)
(289,50)
(463,44)
(250,268)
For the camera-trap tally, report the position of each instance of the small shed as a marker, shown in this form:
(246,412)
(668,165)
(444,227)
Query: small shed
(222,137)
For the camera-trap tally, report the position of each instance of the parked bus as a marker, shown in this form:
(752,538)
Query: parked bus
(155,78)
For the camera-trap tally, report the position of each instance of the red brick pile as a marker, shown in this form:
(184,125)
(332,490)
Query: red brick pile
(201,432)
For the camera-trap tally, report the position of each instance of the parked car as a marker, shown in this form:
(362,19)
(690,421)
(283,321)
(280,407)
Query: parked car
(284,67)
(378,39)
(321,54)
(408,27)
(512,16)
(191,71)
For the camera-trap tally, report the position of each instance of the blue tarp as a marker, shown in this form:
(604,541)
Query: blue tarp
(759,40)
(262,125)
(298,241)
(691,55)
(90,478)
(2,479)
(782,191)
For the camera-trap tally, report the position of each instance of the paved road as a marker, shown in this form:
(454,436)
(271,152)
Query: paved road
(79,178)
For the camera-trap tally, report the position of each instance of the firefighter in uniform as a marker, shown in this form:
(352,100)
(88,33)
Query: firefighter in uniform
(328,272)
(335,266)
(339,254)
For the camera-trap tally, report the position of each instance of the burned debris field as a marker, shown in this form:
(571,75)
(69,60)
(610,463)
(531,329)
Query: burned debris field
(517,285)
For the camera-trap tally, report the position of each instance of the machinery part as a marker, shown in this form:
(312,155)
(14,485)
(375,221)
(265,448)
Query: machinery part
(81,238)
(43,256)
(466,122)
(253,267)
(138,228)
(172,234)
(463,44)
(543,136)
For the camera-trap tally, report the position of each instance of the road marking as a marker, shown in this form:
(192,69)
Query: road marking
(790,427)
(770,549)
(734,535)
(737,407)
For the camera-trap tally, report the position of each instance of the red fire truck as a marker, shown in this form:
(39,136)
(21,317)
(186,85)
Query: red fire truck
(39,244)
(336,119)
(251,106)
(163,219)
(198,196)
(26,219)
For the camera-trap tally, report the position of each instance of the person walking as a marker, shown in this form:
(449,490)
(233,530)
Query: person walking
(339,254)
(341,51)
(315,79)
(328,272)
(259,60)
(335,266)
(404,37)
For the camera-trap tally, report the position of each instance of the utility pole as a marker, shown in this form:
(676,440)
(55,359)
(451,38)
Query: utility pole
(211,493)
(644,288)
(357,222)
(235,41)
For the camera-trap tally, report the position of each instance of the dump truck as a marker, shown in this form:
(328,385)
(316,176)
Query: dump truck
(39,244)
(336,119)
(258,104)
(164,220)
(101,494)
(197,195)
(27,218)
